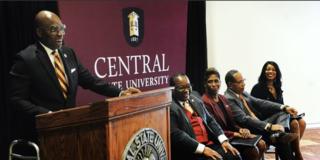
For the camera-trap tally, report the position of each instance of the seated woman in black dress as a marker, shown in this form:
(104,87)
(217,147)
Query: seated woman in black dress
(218,108)
(269,88)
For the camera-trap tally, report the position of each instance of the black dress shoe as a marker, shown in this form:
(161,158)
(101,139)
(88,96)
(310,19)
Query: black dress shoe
(298,117)
(282,137)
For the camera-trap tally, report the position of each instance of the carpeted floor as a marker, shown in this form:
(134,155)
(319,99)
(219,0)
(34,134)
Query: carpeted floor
(310,145)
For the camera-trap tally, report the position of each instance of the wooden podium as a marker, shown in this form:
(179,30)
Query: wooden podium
(103,130)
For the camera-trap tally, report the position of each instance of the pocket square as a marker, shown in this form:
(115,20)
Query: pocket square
(72,70)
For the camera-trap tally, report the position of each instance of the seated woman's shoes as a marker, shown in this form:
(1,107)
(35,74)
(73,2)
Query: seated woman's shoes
(282,137)
(298,117)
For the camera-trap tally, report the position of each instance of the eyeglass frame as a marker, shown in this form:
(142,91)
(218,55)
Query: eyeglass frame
(182,89)
(55,29)
(239,82)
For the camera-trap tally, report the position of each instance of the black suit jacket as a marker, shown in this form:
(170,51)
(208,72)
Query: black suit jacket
(261,91)
(183,140)
(34,88)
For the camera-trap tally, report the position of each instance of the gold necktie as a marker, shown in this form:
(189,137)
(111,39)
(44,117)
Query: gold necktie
(58,67)
(244,102)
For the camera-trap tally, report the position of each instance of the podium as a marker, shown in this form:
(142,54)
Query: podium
(130,127)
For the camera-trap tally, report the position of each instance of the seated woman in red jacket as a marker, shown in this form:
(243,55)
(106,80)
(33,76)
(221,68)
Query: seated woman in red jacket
(218,107)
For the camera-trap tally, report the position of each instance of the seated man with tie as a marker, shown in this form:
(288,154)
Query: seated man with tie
(45,77)
(195,135)
(269,119)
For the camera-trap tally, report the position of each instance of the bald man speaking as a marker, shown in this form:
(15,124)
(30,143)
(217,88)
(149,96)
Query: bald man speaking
(45,76)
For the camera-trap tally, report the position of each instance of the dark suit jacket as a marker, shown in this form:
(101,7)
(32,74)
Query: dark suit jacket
(34,88)
(223,118)
(183,140)
(261,91)
(261,108)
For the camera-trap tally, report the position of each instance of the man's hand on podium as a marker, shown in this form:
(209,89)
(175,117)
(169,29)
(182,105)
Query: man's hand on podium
(129,91)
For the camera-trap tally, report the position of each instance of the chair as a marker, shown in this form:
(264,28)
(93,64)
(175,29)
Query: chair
(23,143)
(272,150)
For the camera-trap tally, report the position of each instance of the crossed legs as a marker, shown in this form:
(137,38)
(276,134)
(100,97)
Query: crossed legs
(298,127)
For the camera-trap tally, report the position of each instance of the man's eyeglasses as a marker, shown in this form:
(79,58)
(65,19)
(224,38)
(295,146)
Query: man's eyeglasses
(57,29)
(182,89)
(240,81)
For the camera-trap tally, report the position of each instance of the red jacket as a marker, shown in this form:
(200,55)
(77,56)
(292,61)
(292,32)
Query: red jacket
(225,121)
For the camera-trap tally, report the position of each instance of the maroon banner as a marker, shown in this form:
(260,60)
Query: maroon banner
(127,43)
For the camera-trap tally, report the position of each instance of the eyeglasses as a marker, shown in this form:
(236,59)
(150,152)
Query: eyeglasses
(182,88)
(240,82)
(57,29)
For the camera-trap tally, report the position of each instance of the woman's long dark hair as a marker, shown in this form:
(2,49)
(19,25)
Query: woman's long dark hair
(263,79)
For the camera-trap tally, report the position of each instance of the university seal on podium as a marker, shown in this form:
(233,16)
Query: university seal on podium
(146,144)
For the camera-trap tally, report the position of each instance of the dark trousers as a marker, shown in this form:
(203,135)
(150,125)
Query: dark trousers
(280,118)
(225,156)
(284,150)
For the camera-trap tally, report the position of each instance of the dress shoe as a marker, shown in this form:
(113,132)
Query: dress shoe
(298,117)
(282,137)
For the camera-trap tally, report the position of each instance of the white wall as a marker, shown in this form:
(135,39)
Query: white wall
(244,35)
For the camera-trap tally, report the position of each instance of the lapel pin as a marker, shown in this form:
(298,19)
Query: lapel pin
(65,55)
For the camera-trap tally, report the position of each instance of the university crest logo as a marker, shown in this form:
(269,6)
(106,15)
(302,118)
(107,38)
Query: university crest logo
(133,25)
(146,144)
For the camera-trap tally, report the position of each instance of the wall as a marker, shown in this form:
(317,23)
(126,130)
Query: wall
(244,35)
(99,33)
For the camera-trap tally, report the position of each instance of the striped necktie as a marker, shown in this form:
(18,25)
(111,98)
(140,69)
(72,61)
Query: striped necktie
(58,67)
(247,107)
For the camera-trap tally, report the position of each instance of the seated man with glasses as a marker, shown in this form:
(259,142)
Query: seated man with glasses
(269,119)
(195,135)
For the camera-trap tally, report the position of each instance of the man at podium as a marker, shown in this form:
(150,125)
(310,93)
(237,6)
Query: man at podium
(45,76)
(195,135)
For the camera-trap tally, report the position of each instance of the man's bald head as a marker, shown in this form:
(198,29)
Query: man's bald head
(49,29)
(44,17)
(182,87)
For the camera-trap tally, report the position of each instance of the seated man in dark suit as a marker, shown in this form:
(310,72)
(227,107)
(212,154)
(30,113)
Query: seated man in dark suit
(195,134)
(263,117)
